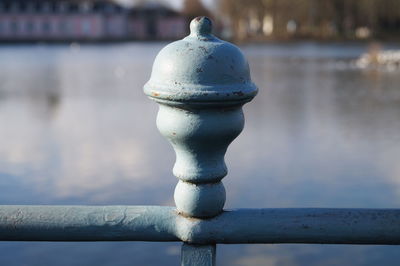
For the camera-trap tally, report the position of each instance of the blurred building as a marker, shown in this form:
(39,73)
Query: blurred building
(73,20)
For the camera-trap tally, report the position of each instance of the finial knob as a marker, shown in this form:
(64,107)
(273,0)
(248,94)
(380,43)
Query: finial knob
(200,26)
(201,84)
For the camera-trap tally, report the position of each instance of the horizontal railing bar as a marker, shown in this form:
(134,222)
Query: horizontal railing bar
(87,223)
(153,223)
(303,225)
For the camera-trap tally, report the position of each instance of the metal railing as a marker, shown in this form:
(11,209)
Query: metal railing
(201,84)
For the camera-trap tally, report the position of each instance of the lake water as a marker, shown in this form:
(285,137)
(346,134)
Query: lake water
(76,128)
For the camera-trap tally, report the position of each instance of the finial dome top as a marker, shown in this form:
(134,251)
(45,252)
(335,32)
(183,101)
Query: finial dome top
(200,69)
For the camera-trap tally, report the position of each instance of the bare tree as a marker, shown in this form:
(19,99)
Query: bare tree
(313,18)
(194,8)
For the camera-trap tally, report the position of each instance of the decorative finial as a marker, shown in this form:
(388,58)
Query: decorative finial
(201,84)
(200,26)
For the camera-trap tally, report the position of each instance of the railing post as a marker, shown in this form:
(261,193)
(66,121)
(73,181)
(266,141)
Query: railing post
(201,84)
(203,255)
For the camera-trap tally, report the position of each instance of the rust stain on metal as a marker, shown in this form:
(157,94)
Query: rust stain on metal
(203,48)
(238,93)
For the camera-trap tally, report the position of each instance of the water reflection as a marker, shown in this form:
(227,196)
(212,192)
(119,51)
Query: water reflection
(77,129)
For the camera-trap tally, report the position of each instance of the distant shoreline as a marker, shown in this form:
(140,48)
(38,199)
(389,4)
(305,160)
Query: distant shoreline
(242,43)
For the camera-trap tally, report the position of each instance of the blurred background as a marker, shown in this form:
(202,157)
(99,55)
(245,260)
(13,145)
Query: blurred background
(76,127)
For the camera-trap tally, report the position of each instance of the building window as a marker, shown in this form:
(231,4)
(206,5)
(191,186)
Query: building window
(22,7)
(13,27)
(46,7)
(6,6)
(64,27)
(86,27)
(29,26)
(30,7)
(46,27)
(73,7)
(62,7)
(85,7)
(14,7)
(109,8)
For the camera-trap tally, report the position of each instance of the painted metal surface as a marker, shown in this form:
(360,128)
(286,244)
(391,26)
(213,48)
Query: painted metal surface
(324,226)
(198,255)
(155,223)
(201,84)
(87,223)
(200,69)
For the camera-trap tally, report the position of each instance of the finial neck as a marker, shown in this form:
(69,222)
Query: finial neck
(201,27)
